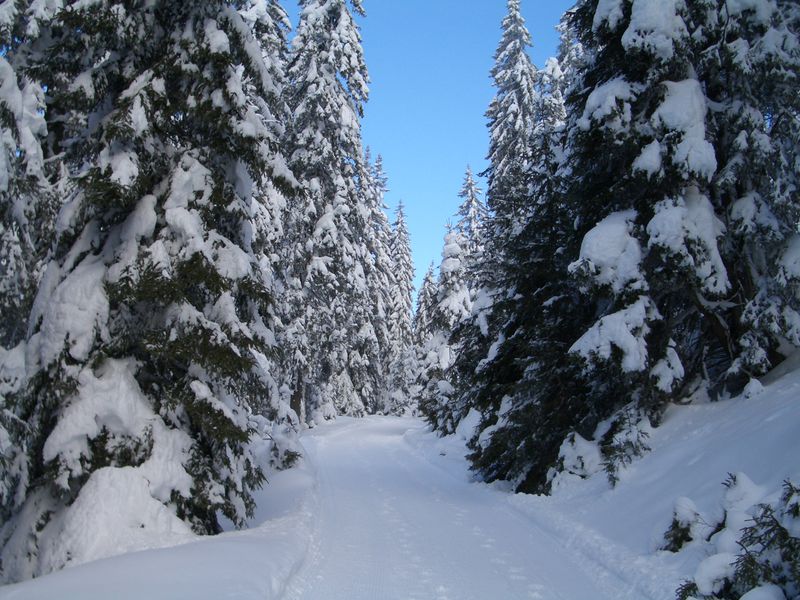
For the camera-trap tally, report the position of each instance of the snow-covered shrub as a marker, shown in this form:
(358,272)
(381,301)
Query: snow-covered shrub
(767,565)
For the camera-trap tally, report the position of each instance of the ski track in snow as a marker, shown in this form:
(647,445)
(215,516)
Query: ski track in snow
(381,509)
(394,525)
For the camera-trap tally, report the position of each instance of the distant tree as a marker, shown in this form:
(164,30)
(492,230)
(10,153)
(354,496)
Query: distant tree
(329,255)
(452,305)
(402,369)
(472,217)
(426,298)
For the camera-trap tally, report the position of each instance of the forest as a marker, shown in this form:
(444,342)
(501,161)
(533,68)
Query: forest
(198,271)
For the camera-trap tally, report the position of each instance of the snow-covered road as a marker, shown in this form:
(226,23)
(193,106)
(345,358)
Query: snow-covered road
(383,509)
(380,509)
(394,525)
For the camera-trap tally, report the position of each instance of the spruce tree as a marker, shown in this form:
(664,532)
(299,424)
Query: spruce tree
(471,222)
(512,117)
(151,331)
(662,216)
(376,339)
(329,253)
(426,299)
(452,305)
(402,370)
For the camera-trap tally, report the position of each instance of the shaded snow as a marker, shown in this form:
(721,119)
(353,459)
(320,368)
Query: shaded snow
(611,254)
(626,330)
(684,109)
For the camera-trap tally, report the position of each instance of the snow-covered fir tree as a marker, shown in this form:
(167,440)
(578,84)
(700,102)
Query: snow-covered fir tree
(450,307)
(402,368)
(26,198)
(511,117)
(471,221)
(660,235)
(26,223)
(426,298)
(328,228)
(494,345)
(376,339)
(150,338)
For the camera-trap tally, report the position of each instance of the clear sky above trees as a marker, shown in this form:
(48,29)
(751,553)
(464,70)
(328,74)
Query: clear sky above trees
(429,62)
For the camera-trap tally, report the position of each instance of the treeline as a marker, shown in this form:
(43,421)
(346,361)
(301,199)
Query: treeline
(641,243)
(194,256)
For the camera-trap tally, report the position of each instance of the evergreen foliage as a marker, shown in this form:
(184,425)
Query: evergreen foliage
(329,296)
(640,239)
(452,305)
(769,557)
(157,284)
(403,367)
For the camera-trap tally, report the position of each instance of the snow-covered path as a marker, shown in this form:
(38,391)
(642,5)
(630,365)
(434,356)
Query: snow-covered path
(383,509)
(391,524)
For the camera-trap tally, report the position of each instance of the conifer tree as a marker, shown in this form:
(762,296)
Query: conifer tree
(673,184)
(402,370)
(376,339)
(453,304)
(152,328)
(512,118)
(471,222)
(401,310)
(327,230)
(426,298)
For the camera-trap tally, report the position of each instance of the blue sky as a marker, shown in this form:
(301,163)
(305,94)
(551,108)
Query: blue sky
(429,63)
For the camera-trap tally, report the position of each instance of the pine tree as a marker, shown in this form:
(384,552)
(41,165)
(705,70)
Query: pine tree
(27,202)
(26,199)
(402,370)
(425,303)
(512,118)
(329,253)
(515,371)
(471,222)
(650,168)
(154,316)
(452,306)
(381,281)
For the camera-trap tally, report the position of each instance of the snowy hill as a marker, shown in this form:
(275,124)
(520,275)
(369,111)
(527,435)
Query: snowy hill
(382,508)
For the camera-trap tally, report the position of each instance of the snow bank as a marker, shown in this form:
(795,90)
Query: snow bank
(252,564)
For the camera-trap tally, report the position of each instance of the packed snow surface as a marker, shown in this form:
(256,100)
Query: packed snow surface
(382,508)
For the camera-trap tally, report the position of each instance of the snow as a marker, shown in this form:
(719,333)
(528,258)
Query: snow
(114,513)
(608,11)
(762,9)
(712,571)
(625,329)
(669,370)
(790,261)
(217,40)
(684,224)
(77,310)
(684,109)
(649,161)
(383,508)
(655,27)
(604,102)
(611,254)
(764,592)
